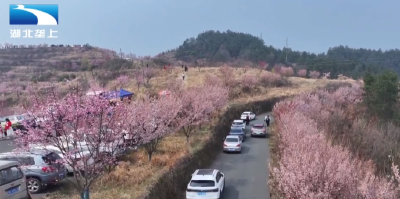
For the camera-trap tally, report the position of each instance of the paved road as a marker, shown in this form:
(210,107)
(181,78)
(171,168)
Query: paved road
(247,173)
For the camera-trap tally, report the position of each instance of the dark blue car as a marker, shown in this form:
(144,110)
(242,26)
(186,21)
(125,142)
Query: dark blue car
(238,131)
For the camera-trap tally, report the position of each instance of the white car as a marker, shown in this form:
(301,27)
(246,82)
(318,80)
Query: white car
(251,115)
(239,123)
(206,184)
(233,143)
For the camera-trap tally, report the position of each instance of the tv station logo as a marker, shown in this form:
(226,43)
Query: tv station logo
(34,15)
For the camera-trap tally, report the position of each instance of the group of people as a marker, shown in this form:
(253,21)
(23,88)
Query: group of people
(267,120)
(7,127)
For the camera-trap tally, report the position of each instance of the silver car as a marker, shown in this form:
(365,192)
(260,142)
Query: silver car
(40,168)
(239,123)
(258,130)
(233,143)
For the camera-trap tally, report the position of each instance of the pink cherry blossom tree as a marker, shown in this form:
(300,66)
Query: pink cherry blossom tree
(249,81)
(277,69)
(314,74)
(123,80)
(86,130)
(302,72)
(139,78)
(151,119)
(262,66)
(286,71)
(314,173)
(270,79)
(149,73)
(227,75)
(198,104)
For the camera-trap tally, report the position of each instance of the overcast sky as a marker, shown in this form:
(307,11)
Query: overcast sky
(147,27)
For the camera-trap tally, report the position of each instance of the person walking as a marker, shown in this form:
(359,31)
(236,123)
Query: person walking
(267,120)
(247,120)
(7,127)
(183,76)
(186,68)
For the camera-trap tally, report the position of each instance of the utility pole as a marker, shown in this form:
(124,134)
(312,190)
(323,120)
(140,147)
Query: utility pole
(286,47)
(120,53)
(261,36)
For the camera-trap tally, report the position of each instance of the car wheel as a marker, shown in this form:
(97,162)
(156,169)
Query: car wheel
(34,185)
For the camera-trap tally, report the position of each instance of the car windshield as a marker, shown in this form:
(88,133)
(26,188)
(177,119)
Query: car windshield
(202,183)
(10,174)
(231,140)
(236,130)
(258,127)
(237,123)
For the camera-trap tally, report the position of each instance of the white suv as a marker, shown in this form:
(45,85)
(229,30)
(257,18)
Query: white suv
(206,184)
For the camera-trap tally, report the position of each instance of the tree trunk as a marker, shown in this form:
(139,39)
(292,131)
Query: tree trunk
(85,194)
(149,155)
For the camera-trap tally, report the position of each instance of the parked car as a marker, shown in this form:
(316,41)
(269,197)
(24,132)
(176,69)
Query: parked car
(239,123)
(233,143)
(238,131)
(251,115)
(40,168)
(12,181)
(206,183)
(258,130)
(57,150)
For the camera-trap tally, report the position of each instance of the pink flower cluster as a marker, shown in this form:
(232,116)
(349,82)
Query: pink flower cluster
(286,71)
(314,74)
(302,72)
(310,167)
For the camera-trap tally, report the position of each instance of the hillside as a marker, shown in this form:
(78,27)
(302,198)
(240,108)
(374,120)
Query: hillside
(54,57)
(229,46)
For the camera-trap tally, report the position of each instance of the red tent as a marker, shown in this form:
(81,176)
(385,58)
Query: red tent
(164,93)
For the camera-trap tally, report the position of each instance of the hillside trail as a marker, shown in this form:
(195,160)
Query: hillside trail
(186,77)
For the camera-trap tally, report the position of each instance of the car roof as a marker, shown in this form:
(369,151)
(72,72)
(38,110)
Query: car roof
(232,136)
(237,120)
(7,163)
(33,152)
(258,125)
(236,128)
(246,112)
(204,174)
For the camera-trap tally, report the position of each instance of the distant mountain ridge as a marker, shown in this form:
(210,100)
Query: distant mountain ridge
(228,46)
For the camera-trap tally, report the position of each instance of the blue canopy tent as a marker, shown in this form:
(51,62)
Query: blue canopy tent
(124,93)
(113,95)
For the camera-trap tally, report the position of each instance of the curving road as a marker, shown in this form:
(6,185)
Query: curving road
(247,173)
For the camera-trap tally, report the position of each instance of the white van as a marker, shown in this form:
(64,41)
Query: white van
(12,181)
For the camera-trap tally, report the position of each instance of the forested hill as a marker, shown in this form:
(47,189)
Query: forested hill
(215,46)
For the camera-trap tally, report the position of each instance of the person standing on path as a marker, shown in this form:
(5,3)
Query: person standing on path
(7,127)
(186,68)
(183,76)
(247,120)
(267,120)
